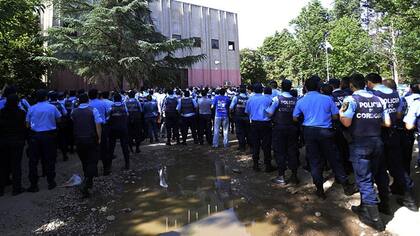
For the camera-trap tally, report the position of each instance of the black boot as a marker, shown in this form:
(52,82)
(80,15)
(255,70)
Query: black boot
(294,179)
(409,201)
(256,167)
(269,168)
(369,215)
(383,205)
(349,189)
(320,192)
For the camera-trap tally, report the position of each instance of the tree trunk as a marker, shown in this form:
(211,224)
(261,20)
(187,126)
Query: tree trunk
(394,57)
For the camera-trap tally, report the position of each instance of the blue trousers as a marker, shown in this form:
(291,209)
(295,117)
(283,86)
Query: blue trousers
(366,155)
(320,146)
(285,147)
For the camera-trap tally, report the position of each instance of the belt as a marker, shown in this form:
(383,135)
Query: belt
(44,132)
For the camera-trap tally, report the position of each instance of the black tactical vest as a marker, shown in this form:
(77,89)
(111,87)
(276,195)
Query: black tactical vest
(187,106)
(367,120)
(241,106)
(134,111)
(84,127)
(170,107)
(118,117)
(284,113)
(339,96)
(392,101)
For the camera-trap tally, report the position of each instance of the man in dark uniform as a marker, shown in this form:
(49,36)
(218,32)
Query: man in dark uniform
(151,115)
(187,108)
(170,104)
(364,114)
(69,105)
(241,119)
(134,120)
(285,133)
(318,111)
(260,127)
(61,125)
(118,129)
(42,120)
(403,184)
(87,135)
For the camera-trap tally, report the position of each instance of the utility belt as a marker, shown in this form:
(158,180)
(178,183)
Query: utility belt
(49,132)
(258,122)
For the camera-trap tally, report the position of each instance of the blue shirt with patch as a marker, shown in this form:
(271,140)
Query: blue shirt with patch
(256,106)
(42,117)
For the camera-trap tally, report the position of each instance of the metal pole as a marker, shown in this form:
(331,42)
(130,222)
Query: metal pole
(328,64)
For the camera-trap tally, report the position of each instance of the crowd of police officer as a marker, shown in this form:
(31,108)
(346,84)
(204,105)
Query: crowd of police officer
(359,125)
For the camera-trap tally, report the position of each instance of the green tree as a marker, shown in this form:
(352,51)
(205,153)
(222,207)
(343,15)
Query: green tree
(113,39)
(252,67)
(20,44)
(347,8)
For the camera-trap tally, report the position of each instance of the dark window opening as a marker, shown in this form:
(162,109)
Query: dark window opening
(231,46)
(176,36)
(197,42)
(215,44)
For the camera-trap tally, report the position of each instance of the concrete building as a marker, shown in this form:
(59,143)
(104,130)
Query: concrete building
(215,33)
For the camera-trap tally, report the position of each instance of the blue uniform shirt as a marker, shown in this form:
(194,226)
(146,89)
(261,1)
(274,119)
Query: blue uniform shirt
(96,115)
(235,100)
(23,104)
(42,117)
(413,113)
(256,106)
(275,102)
(101,107)
(316,109)
(382,88)
(351,110)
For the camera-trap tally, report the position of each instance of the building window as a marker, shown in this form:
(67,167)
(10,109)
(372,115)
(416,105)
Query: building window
(231,46)
(176,36)
(197,42)
(215,44)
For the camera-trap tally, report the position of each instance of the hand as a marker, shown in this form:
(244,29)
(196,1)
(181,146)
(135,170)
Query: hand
(99,141)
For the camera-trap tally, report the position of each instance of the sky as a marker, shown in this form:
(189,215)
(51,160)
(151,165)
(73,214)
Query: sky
(258,19)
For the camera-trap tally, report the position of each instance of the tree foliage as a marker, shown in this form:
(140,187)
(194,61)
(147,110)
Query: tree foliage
(20,44)
(252,69)
(113,39)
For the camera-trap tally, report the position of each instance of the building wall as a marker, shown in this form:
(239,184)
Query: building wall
(221,66)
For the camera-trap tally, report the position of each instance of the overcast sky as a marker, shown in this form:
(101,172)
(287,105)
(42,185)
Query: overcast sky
(259,18)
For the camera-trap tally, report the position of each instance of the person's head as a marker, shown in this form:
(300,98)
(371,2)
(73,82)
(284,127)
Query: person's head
(131,93)
(258,88)
(326,89)
(357,82)
(373,79)
(390,83)
(61,96)
(286,85)
(222,91)
(273,84)
(242,89)
(53,96)
(9,90)
(105,95)
(93,94)
(72,93)
(186,93)
(80,91)
(204,92)
(415,88)
(250,88)
(345,83)
(149,97)
(12,102)
(268,90)
(170,91)
(117,97)
(312,83)
(335,83)
(84,98)
(294,93)
(41,95)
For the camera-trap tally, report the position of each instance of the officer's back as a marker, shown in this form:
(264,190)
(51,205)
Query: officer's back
(118,115)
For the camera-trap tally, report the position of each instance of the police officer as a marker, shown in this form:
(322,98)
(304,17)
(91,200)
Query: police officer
(87,135)
(403,184)
(170,112)
(204,113)
(118,129)
(221,105)
(9,90)
(134,121)
(61,125)
(69,104)
(364,114)
(42,120)
(318,111)
(260,127)
(12,141)
(284,133)
(241,119)
(412,121)
(151,115)
(187,108)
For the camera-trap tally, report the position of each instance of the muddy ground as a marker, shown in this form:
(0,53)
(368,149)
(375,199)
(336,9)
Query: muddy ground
(201,181)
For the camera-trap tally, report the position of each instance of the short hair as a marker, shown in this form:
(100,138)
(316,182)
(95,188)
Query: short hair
(72,93)
(345,82)
(80,91)
(41,95)
(93,93)
(12,101)
(149,97)
(294,93)
(131,94)
(414,88)
(268,90)
(83,98)
(335,83)
(9,90)
(222,91)
(358,81)
(242,89)
(286,85)
(186,93)
(390,83)
(374,78)
(273,84)
(258,88)
(105,94)
(53,95)
(312,83)
(170,91)
(204,92)
(117,97)
(327,89)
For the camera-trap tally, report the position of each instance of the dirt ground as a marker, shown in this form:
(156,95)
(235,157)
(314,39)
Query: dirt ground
(201,182)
